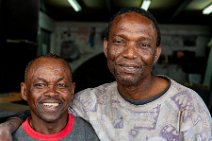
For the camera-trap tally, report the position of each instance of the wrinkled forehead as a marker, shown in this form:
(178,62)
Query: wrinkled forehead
(48,66)
(136,21)
(47,69)
(132,16)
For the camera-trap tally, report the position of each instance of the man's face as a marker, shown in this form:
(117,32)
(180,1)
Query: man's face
(131,48)
(48,89)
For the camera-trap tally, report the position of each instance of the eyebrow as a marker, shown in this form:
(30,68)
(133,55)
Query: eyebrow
(42,79)
(143,38)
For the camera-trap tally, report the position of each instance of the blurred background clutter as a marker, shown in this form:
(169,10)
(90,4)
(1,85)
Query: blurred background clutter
(76,32)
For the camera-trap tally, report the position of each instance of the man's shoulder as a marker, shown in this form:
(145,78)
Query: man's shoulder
(79,121)
(84,128)
(181,88)
(99,89)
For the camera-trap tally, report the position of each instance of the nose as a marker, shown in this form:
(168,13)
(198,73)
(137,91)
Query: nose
(51,91)
(130,51)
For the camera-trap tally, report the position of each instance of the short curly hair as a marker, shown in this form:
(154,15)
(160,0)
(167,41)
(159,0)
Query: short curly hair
(49,55)
(139,11)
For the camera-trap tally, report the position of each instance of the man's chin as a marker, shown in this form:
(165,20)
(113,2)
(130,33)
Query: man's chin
(127,81)
(50,119)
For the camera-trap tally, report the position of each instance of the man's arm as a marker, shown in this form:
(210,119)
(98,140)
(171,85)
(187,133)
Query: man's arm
(11,125)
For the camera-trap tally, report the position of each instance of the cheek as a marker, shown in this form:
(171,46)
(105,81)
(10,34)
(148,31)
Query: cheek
(112,53)
(34,95)
(147,59)
(32,100)
(67,98)
(111,59)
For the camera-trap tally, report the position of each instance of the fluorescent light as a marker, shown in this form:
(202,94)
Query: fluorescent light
(207,10)
(75,5)
(145,5)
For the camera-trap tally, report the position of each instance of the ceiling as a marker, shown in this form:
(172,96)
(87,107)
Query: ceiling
(165,11)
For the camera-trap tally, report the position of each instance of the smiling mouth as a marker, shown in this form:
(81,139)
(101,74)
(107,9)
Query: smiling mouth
(129,68)
(50,105)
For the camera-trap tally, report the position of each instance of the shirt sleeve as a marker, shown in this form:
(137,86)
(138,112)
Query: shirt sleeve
(196,124)
(77,107)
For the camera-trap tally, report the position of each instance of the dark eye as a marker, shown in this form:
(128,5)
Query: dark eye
(143,45)
(40,85)
(118,41)
(61,85)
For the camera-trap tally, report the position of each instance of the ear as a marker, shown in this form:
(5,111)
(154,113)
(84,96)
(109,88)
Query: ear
(157,54)
(73,86)
(105,43)
(23,91)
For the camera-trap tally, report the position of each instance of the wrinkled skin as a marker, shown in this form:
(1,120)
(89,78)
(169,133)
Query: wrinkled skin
(131,52)
(48,91)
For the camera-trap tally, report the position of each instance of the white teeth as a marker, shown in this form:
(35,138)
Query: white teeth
(51,104)
(131,67)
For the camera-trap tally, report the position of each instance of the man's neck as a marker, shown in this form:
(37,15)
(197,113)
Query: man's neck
(148,88)
(48,127)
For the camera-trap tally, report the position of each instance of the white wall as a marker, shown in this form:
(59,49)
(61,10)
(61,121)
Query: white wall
(79,35)
(174,35)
